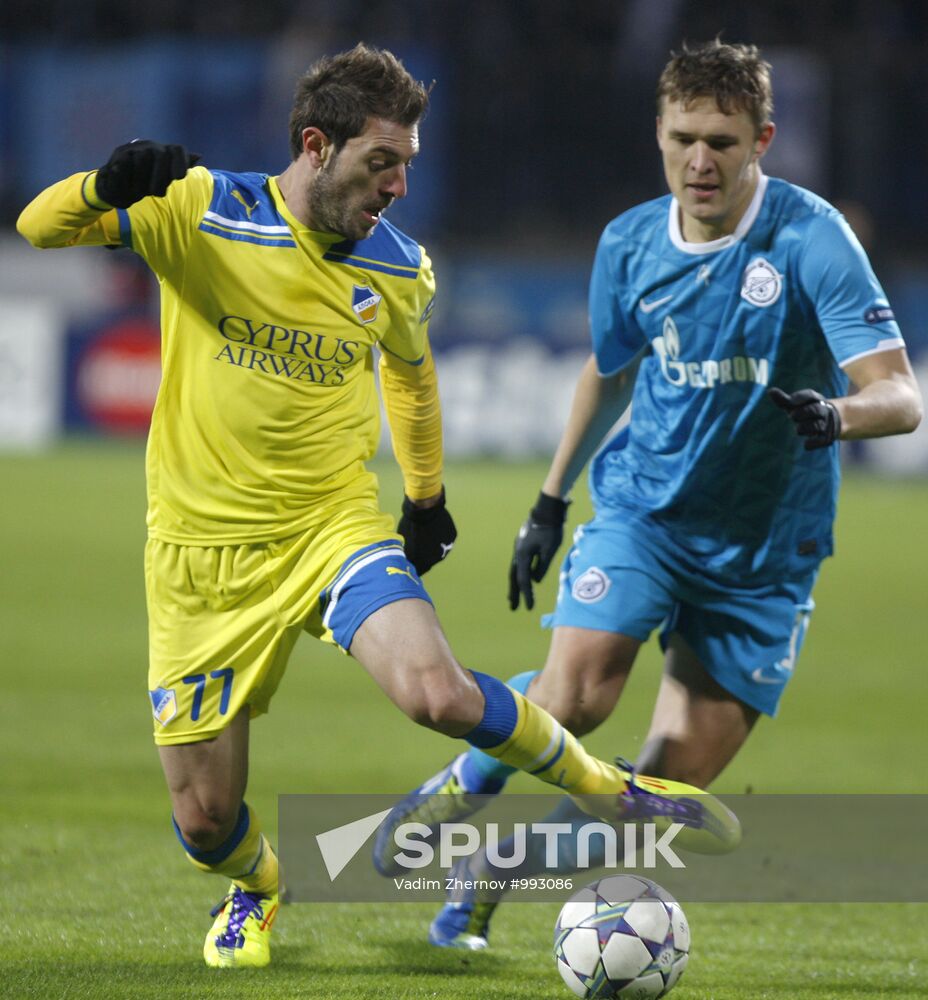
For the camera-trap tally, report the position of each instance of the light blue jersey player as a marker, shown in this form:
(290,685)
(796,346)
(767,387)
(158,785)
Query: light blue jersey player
(733,313)
(710,515)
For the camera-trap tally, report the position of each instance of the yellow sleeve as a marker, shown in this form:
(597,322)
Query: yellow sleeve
(410,397)
(69,214)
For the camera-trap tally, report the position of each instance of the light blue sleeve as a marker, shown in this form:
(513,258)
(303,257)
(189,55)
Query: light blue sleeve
(850,303)
(617,340)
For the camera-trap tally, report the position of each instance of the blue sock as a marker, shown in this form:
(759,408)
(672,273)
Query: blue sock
(479,773)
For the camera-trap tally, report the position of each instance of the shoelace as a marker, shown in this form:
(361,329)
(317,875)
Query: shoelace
(640,803)
(243,905)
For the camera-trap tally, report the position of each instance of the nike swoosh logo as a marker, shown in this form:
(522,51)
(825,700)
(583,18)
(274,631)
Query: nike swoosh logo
(761,678)
(647,307)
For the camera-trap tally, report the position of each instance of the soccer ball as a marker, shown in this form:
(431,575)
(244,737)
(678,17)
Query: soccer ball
(622,936)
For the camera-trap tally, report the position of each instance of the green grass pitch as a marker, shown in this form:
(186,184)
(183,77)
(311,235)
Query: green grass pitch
(98,903)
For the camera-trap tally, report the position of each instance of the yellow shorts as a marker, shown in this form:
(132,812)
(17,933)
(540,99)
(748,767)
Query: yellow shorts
(224,619)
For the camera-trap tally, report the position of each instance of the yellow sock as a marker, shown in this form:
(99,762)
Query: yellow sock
(263,876)
(542,746)
(246,857)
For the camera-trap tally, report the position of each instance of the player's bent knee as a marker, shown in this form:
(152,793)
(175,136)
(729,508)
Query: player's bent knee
(580,719)
(444,715)
(579,709)
(443,702)
(205,826)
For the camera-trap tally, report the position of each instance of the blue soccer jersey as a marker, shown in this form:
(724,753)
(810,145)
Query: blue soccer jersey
(787,300)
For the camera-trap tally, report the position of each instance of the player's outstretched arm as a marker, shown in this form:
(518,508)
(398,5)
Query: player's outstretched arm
(79,211)
(598,403)
(888,401)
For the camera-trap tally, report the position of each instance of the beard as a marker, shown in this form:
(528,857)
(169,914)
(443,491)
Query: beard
(331,209)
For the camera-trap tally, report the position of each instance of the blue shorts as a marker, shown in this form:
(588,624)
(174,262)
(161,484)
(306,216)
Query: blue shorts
(628,577)
(373,577)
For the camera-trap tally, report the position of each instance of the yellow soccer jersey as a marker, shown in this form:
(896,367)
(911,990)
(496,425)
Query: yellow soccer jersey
(267,409)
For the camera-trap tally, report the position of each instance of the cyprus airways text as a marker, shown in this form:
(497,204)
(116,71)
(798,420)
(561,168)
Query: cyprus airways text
(285,352)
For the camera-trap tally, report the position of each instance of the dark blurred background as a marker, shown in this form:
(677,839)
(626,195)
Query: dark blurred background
(541,130)
(543,108)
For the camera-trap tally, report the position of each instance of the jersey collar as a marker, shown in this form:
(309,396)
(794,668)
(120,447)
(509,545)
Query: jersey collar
(675,232)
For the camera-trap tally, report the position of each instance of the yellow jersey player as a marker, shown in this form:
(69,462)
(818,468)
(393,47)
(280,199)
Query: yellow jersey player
(263,520)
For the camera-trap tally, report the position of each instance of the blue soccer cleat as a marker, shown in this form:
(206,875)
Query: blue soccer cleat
(464,920)
(441,799)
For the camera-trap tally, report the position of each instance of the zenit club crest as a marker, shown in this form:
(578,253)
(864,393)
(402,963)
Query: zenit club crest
(163,705)
(365,302)
(591,586)
(762,283)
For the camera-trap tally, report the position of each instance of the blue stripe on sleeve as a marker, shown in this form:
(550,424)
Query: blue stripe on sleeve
(125,228)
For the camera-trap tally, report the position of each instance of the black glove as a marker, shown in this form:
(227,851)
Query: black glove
(816,419)
(537,542)
(141,168)
(428,533)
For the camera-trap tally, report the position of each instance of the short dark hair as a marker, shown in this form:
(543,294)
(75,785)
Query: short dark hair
(734,75)
(339,93)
